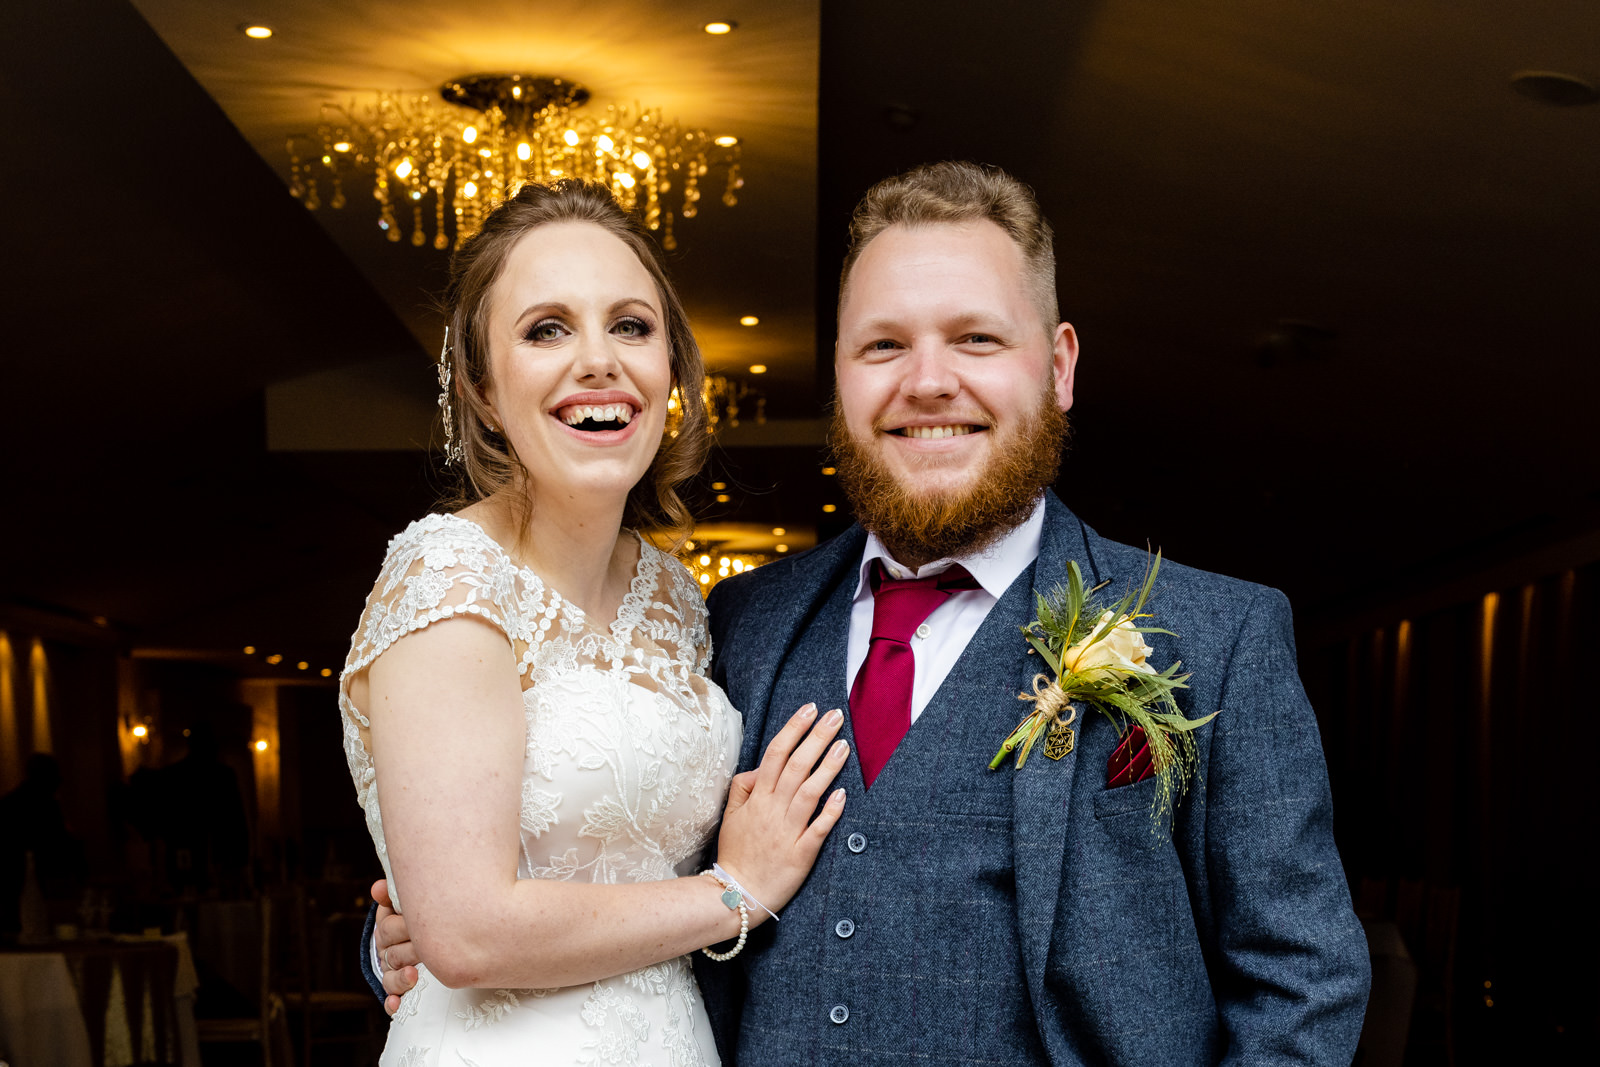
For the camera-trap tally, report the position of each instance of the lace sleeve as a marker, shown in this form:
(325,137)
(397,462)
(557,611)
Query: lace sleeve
(441,567)
(437,569)
(689,603)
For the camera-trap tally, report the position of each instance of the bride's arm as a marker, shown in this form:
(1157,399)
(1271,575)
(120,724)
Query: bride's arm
(448,739)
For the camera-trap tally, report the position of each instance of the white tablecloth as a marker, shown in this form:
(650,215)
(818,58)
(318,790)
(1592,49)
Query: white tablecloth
(41,1024)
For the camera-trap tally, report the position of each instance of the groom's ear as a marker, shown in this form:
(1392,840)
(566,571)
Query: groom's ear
(1064,363)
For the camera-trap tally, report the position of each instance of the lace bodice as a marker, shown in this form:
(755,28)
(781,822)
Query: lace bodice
(628,754)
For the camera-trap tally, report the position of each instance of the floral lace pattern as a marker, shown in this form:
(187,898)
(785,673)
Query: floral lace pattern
(628,754)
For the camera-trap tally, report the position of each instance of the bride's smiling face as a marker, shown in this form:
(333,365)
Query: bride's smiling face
(579,361)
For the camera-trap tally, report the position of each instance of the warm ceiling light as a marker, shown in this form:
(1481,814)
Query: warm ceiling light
(758,368)
(717,29)
(727,140)
(722,498)
(302,665)
(275,659)
(778,531)
(830,508)
(705,561)
(688,545)
(749,320)
(140,731)
(259,33)
(781,548)
(719,486)
(520,128)
(261,746)
(1554,88)
(705,579)
(249,650)
(830,471)
(327,672)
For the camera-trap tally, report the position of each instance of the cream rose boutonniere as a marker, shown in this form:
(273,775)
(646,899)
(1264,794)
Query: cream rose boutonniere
(1099,657)
(1117,652)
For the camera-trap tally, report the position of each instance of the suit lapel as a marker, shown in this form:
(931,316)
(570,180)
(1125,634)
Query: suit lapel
(1042,790)
(770,625)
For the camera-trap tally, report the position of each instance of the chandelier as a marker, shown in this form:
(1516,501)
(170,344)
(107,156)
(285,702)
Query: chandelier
(448,167)
(722,396)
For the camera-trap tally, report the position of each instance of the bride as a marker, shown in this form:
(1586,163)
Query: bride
(540,759)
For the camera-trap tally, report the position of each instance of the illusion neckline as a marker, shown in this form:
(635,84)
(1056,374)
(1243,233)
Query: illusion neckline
(642,582)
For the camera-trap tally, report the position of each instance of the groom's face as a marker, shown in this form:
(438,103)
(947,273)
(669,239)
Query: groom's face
(942,358)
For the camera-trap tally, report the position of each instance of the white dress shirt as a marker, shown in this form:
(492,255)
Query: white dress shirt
(939,641)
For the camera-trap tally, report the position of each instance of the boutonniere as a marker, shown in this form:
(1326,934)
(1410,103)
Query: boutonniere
(1099,657)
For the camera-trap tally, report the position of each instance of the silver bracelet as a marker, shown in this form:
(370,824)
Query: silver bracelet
(734,898)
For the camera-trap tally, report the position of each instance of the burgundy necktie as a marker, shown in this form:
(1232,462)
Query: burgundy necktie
(880,699)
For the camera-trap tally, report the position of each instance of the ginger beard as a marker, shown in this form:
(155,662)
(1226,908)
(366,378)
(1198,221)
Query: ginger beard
(919,527)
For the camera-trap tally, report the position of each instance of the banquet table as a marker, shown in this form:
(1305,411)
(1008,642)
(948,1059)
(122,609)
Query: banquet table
(99,1003)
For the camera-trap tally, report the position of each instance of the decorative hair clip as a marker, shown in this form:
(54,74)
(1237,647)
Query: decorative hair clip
(452,446)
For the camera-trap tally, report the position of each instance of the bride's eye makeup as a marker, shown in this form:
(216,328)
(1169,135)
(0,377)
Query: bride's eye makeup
(545,330)
(633,326)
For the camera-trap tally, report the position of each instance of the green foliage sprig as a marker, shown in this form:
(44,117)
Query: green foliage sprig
(1097,655)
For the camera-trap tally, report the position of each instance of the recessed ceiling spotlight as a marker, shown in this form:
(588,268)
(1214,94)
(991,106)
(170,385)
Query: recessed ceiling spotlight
(758,368)
(256,31)
(727,140)
(1554,88)
(717,29)
(749,320)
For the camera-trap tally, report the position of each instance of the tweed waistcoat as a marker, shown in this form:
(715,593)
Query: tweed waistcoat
(902,945)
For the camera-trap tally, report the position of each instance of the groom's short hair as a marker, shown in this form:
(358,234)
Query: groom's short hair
(957,192)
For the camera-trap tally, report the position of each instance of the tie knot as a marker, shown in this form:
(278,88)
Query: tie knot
(900,605)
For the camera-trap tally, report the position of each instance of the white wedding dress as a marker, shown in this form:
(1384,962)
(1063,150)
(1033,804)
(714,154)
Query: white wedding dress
(629,752)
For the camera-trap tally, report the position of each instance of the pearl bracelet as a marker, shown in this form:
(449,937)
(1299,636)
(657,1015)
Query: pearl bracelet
(734,899)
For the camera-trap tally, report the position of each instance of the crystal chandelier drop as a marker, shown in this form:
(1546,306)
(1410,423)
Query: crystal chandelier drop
(448,167)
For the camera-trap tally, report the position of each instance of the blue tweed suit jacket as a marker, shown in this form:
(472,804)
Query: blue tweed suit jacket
(1225,937)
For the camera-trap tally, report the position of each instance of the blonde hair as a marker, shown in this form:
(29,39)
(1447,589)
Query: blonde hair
(956,192)
(489,463)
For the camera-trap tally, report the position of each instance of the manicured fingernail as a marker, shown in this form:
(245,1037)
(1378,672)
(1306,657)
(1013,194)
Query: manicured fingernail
(808,712)
(835,717)
(838,750)
(837,798)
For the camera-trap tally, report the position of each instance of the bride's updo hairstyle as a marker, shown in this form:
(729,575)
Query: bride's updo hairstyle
(489,464)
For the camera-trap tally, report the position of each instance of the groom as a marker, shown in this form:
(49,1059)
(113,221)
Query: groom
(1041,915)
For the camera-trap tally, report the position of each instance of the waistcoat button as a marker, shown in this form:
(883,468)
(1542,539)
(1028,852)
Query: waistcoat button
(844,928)
(839,1014)
(857,843)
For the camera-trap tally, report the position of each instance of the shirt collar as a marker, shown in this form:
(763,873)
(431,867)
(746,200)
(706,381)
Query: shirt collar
(994,568)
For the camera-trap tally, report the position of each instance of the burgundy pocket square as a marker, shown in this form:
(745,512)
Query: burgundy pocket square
(1131,761)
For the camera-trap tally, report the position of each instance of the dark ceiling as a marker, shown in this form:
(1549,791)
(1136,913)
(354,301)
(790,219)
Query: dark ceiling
(1333,277)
